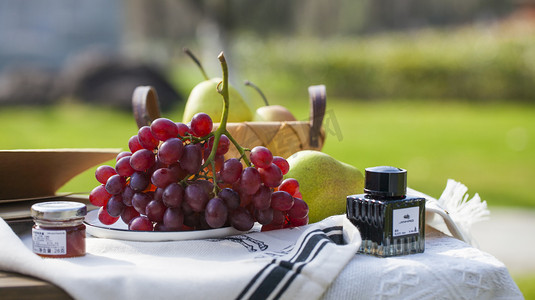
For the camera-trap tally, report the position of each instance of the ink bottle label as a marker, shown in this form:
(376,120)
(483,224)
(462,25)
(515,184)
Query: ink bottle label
(405,221)
(390,222)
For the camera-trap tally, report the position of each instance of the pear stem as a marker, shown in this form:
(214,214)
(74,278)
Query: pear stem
(197,62)
(248,83)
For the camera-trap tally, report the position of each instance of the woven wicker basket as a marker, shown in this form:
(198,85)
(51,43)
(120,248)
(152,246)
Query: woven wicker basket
(282,138)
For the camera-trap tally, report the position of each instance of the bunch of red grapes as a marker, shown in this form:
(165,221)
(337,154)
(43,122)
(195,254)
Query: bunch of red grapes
(168,181)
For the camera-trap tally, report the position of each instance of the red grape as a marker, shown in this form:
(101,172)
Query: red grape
(133,144)
(290,185)
(142,160)
(299,209)
(231,198)
(115,184)
(261,157)
(298,222)
(183,129)
(141,223)
(231,170)
(191,159)
(201,124)
(140,201)
(99,196)
(281,200)
(196,197)
(146,138)
(155,210)
(250,181)
(264,216)
(223,145)
(127,195)
(162,177)
(105,218)
(178,172)
(115,205)
(282,164)
(128,214)
(262,198)
(173,219)
(123,167)
(123,154)
(279,217)
(271,176)
(139,181)
(104,172)
(173,195)
(164,129)
(241,219)
(170,151)
(215,213)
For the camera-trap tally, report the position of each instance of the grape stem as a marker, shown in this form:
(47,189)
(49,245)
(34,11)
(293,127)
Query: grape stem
(222,88)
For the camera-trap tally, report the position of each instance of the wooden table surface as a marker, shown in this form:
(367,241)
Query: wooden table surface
(20,287)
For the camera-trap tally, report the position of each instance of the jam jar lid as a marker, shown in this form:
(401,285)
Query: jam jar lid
(58,210)
(386,180)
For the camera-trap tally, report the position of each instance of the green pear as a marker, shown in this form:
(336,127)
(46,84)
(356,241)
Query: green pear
(324,182)
(205,98)
(273,113)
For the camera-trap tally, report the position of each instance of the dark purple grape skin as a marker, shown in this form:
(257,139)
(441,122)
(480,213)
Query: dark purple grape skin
(191,160)
(139,181)
(115,184)
(162,177)
(216,213)
(264,216)
(241,219)
(262,198)
(173,219)
(250,181)
(140,201)
(170,151)
(231,198)
(115,206)
(231,170)
(281,200)
(155,210)
(127,195)
(129,212)
(196,197)
(142,160)
(173,195)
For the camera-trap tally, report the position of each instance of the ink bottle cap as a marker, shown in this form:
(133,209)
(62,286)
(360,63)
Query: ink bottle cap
(386,181)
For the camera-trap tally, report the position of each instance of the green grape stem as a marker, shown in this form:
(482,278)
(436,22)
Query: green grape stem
(222,88)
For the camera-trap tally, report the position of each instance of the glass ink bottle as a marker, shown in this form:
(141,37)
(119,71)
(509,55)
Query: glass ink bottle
(391,223)
(59,231)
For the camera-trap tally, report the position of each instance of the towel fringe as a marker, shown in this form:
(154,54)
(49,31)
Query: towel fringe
(458,212)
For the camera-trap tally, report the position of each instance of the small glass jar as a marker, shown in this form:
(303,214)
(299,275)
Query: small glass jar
(59,231)
(390,222)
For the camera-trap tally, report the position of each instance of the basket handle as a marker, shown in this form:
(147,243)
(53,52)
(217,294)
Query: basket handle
(318,101)
(145,105)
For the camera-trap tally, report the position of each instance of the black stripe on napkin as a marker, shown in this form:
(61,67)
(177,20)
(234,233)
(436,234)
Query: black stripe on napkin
(278,275)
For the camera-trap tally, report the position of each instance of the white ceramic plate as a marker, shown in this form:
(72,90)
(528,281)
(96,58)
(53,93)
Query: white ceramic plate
(120,231)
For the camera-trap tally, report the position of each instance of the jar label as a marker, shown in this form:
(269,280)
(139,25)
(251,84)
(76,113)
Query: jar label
(50,242)
(406,221)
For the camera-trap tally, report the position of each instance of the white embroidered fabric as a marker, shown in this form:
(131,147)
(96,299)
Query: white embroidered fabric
(448,269)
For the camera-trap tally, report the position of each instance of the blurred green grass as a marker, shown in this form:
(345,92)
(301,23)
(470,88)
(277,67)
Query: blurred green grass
(488,147)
